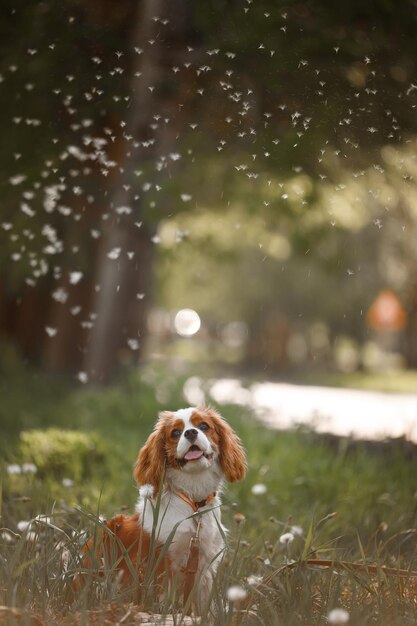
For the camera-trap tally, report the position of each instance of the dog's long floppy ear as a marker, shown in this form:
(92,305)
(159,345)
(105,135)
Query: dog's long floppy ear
(232,456)
(150,464)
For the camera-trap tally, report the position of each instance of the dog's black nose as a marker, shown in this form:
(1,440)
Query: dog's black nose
(191,434)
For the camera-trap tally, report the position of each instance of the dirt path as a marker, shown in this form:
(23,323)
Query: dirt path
(361,414)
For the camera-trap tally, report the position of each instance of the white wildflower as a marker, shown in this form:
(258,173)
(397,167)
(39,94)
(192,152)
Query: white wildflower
(286,539)
(259,489)
(6,536)
(186,197)
(44,519)
(338,616)
(254,580)
(146,491)
(29,468)
(14,468)
(235,593)
(51,332)
(23,525)
(67,483)
(296,530)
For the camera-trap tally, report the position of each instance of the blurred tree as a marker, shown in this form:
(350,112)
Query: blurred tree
(124,262)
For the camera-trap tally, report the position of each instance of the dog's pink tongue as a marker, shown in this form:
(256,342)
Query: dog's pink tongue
(193,455)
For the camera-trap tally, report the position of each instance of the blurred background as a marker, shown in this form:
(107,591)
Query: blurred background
(251,161)
(195,191)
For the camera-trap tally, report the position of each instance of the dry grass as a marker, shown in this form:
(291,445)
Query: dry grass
(281,578)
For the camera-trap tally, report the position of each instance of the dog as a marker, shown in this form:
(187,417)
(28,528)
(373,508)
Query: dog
(180,472)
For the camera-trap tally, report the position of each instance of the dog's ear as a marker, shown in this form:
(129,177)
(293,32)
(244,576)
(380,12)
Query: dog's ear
(151,461)
(232,456)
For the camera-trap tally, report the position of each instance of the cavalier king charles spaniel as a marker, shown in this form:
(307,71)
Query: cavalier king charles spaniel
(180,471)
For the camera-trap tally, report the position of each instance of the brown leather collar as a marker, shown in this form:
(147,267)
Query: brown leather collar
(196,505)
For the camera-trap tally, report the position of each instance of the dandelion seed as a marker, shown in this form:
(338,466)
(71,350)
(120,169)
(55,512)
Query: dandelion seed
(16,180)
(123,210)
(286,539)
(82,377)
(338,616)
(114,254)
(259,489)
(75,277)
(254,580)
(6,536)
(45,519)
(236,593)
(32,535)
(60,295)
(146,491)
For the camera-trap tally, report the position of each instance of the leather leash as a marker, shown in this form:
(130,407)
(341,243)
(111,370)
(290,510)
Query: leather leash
(191,567)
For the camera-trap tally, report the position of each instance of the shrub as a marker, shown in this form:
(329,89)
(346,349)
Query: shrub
(59,453)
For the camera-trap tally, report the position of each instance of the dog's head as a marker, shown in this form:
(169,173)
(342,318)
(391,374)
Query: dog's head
(192,440)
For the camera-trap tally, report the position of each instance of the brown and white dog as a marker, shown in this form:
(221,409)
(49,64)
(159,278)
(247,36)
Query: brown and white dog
(184,463)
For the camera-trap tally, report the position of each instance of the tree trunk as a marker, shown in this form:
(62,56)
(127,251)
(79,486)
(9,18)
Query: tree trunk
(123,282)
(411,332)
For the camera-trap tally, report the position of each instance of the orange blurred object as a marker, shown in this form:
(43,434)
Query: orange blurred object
(387,312)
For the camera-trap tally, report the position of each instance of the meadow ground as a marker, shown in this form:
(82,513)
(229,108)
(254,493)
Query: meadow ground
(67,454)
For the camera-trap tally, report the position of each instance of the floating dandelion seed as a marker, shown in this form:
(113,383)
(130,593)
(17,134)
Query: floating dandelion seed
(75,277)
(114,253)
(18,179)
(82,377)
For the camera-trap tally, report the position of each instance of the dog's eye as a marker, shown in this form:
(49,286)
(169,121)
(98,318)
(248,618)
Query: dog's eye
(175,433)
(204,426)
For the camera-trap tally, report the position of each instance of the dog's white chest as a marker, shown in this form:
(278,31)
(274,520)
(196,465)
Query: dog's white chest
(177,524)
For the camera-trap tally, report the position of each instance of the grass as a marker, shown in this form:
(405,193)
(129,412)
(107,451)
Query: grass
(304,478)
